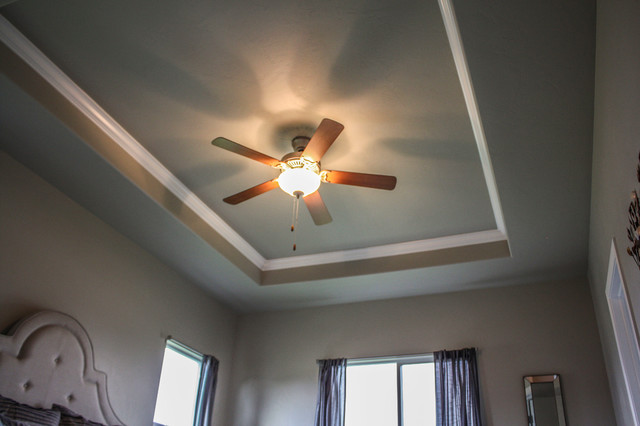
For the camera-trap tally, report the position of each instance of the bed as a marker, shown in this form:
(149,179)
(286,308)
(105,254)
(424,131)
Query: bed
(46,361)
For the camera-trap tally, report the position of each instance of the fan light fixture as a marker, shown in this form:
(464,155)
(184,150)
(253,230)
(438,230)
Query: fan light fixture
(300,172)
(299,175)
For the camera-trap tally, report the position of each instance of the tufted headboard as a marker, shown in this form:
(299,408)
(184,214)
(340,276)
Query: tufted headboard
(47,359)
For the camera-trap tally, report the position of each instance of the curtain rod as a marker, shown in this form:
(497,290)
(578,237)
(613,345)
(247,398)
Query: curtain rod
(387,358)
(391,358)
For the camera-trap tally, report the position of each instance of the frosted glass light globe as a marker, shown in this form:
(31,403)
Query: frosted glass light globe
(299,179)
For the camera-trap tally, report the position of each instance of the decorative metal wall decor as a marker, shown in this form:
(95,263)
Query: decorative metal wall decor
(633,231)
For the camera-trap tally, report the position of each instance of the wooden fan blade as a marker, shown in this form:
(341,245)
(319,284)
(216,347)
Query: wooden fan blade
(318,210)
(322,139)
(361,179)
(252,192)
(236,148)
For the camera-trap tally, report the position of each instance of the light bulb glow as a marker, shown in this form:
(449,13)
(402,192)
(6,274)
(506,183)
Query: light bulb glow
(299,179)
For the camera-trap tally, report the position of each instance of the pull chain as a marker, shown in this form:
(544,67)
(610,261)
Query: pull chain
(294,220)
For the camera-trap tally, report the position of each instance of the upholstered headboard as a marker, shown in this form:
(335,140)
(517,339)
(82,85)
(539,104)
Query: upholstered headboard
(47,359)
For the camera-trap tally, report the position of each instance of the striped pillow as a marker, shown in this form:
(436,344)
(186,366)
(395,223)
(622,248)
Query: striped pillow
(6,421)
(71,418)
(25,413)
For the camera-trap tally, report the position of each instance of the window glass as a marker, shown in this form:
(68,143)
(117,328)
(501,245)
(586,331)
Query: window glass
(371,395)
(177,393)
(394,391)
(418,394)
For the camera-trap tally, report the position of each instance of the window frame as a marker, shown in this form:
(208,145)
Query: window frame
(399,360)
(187,352)
(184,350)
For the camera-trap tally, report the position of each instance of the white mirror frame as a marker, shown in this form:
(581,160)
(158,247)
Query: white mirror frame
(625,330)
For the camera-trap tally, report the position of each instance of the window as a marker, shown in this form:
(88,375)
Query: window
(178,389)
(394,391)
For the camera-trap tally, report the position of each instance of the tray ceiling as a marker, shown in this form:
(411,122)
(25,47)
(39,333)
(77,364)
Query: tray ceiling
(156,82)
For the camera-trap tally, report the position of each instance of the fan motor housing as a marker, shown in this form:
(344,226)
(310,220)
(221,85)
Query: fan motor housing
(299,143)
(294,159)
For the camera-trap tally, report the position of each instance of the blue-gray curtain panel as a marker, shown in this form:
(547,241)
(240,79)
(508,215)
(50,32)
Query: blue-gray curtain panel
(457,390)
(206,391)
(332,384)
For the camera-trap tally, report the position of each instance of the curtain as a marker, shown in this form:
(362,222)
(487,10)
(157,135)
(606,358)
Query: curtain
(206,391)
(332,381)
(457,392)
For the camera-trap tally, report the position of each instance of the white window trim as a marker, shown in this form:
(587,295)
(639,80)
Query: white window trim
(625,330)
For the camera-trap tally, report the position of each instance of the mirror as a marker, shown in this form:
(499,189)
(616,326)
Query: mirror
(544,400)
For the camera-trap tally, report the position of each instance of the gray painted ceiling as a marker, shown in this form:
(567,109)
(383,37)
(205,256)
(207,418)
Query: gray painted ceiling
(175,77)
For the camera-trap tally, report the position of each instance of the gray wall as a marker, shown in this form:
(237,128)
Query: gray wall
(56,255)
(523,330)
(615,157)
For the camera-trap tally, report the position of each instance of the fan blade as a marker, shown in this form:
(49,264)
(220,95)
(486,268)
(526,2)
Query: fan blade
(324,136)
(234,147)
(361,179)
(318,210)
(252,192)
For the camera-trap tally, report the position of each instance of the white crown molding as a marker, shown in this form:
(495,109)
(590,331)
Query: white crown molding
(408,247)
(28,52)
(460,59)
(40,63)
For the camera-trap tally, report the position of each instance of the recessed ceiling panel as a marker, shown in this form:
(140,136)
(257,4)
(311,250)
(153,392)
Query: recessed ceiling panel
(177,75)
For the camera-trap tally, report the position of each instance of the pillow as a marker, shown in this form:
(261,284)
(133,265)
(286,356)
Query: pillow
(71,418)
(6,421)
(25,413)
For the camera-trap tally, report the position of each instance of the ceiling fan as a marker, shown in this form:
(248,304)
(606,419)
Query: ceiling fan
(301,174)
